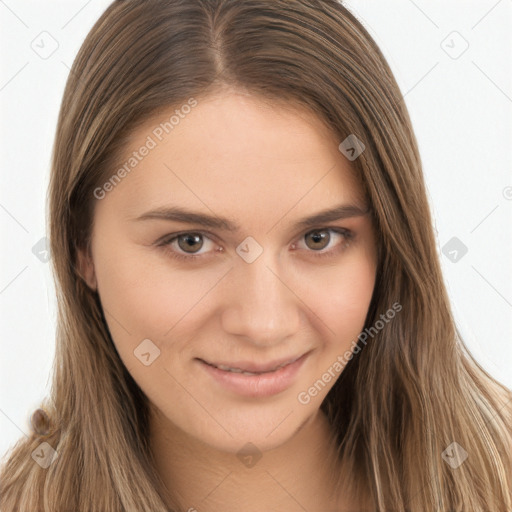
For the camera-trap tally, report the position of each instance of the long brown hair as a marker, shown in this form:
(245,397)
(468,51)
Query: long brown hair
(400,403)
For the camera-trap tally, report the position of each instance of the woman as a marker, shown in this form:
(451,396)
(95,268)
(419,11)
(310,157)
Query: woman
(304,357)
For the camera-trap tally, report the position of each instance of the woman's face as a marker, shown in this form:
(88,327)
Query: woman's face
(249,288)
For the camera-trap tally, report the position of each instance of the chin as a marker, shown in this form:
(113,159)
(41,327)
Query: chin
(264,426)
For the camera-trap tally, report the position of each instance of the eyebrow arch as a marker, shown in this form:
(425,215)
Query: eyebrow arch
(177,214)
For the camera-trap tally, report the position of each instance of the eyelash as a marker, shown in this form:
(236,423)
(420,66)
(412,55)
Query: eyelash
(346,233)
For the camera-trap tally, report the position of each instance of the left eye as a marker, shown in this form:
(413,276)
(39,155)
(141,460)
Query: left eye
(179,245)
(319,238)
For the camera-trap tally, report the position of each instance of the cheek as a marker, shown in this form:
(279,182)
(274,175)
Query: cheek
(344,299)
(145,300)
(144,295)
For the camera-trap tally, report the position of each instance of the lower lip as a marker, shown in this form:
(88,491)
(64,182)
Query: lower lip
(265,384)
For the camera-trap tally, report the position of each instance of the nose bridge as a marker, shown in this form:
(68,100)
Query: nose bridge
(259,303)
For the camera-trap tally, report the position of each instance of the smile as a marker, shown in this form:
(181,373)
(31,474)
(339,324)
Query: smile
(235,369)
(251,380)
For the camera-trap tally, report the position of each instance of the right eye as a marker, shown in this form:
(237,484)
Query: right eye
(178,245)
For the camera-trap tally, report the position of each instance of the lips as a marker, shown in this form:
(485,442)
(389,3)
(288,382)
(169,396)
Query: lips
(253,380)
(250,368)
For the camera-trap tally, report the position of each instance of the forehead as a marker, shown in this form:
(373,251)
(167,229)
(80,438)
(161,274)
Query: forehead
(236,154)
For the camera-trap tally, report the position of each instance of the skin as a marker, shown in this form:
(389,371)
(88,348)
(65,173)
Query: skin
(263,166)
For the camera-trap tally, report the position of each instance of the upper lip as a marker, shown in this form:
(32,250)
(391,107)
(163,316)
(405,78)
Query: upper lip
(251,366)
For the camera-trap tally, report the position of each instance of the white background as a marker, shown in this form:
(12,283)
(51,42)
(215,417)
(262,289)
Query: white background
(461,112)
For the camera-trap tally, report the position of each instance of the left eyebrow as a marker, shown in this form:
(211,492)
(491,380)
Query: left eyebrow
(177,214)
(343,211)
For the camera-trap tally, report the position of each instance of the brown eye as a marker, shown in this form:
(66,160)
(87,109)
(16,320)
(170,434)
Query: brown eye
(326,242)
(318,239)
(190,241)
(187,246)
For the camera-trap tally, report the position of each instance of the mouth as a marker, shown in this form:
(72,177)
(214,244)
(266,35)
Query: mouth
(252,380)
(249,368)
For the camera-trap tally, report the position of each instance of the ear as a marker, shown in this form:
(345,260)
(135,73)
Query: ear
(85,266)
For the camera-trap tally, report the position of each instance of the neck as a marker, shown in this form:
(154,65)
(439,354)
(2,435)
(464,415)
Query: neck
(300,474)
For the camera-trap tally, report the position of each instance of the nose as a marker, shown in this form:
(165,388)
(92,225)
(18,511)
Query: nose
(260,305)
